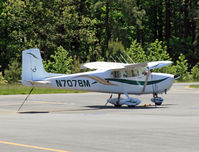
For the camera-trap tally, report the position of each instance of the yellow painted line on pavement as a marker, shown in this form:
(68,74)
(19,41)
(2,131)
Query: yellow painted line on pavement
(31,146)
(188,87)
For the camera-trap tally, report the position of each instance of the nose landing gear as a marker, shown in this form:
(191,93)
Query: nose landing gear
(157,100)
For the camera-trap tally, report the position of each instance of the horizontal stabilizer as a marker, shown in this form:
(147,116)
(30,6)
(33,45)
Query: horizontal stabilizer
(38,82)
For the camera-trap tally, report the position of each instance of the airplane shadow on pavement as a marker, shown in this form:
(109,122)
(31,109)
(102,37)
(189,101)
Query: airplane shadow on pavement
(97,107)
(125,107)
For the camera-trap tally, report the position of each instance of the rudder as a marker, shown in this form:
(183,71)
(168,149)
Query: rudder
(32,66)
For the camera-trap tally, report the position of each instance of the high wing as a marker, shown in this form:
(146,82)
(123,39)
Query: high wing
(103,65)
(158,64)
(119,66)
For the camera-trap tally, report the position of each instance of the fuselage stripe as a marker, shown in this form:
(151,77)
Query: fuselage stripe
(134,82)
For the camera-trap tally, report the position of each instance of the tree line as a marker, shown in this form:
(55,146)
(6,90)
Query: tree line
(91,30)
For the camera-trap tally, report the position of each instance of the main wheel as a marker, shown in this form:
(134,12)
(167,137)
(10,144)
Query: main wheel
(158,104)
(117,105)
(131,106)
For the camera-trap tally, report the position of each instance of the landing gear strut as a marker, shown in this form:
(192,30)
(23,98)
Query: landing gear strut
(118,102)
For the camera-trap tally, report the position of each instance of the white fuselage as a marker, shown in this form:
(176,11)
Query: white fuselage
(102,81)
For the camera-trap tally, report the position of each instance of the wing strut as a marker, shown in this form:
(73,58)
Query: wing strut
(25,99)
(146,80)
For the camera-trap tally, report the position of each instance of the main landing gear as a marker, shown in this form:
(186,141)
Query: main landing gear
(118,102)
(132,102)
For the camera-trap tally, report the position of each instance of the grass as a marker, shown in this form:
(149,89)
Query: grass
(12,89)
(194,86)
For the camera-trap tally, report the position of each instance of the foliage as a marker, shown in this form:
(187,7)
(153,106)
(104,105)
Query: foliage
(194,86)
(45,25)
(183,46)
(13,73)
(2,80)
(157,52)
(136,53)
(182,67)
(195,72)
(60,62)
(115,51)
(20,89)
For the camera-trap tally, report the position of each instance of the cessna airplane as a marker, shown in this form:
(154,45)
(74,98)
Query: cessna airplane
(108,77)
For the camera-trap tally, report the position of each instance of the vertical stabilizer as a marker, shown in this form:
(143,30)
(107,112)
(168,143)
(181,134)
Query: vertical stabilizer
(32,66)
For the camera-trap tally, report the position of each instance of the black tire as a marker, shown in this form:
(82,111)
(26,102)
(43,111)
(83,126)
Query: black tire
(158,104)
(117,106)
(131,106)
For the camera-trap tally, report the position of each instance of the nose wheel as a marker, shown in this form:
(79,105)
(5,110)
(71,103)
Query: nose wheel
(157,100)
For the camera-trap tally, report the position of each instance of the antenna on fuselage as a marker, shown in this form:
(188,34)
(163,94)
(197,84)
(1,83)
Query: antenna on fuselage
(123,58)
(119,59)
(113,59)
(131,59)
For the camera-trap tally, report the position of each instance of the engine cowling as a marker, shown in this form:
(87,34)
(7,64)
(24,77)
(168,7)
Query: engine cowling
(157,100)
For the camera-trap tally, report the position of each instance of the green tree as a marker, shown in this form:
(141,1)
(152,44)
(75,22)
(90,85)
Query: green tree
(47,25)
(182,68)
(194,72)
(2,80)
(116,21)
(196,38)
(157,52)
(13,73)
(115,51)
(136,53)
(60,62)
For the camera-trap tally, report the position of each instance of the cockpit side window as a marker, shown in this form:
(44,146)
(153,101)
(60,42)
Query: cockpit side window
(131,73)
(116,74)
(128,73)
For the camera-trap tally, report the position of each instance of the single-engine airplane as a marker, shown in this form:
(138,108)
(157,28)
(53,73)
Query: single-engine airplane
(108,77)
